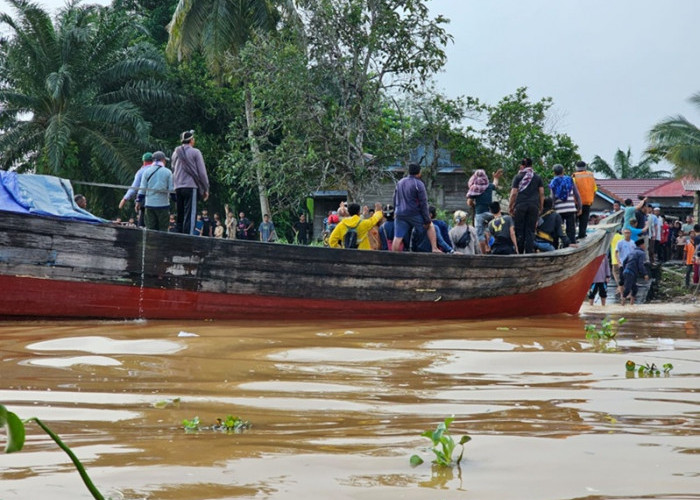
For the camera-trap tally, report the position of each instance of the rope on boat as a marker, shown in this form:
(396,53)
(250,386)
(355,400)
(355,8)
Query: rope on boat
(118,186)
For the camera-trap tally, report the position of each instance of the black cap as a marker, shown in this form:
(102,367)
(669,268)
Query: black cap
(160,156)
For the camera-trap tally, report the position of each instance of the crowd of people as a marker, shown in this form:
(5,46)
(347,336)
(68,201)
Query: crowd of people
(533,222)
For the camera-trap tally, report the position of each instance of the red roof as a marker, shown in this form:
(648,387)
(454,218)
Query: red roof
(629,188)
(672,189)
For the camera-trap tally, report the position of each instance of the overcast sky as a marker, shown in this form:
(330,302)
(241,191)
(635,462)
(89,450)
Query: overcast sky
(613,67)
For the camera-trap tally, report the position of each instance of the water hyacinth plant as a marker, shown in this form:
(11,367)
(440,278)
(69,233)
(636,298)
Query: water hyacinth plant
(443,445)
(606,332)
(647,370)
(228,425)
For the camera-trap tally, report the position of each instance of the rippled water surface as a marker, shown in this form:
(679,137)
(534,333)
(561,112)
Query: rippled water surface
(338,409)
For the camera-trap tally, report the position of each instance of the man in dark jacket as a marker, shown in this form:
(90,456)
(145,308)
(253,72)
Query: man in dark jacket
(633,266)
(549,229)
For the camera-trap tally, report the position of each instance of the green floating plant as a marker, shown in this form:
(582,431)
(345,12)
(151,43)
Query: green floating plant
(607,330)
(443,445)
(14,428)
(647,370)
(228,424)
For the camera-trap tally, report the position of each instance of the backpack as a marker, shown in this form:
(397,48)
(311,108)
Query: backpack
(350,239)
(464,240)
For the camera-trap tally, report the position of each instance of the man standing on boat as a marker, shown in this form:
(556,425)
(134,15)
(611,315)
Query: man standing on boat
(191,181)
(147,161)
(585,182)
(154,194)
(411,210)
(567,201)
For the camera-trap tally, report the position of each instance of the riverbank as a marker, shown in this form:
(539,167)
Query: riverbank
(652,309)
(672,297)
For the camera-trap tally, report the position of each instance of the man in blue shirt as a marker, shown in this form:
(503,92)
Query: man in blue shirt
(411,210)
(154,193)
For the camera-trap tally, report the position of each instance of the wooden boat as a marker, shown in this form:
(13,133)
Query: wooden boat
(57,268)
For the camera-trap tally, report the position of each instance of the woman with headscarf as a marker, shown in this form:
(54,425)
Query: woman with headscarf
(480,196)
(525,205)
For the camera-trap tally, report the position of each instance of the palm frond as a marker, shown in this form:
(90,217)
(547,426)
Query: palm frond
(602,167)
(123,113)
(18,142)
(184,34)
(144,91)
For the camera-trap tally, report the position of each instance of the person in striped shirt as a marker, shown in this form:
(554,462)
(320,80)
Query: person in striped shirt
(567,201)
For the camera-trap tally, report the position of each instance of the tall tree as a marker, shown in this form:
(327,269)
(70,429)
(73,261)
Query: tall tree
(70,92)
(678,140)
(220,29)
(516,128)
(359,51)
(624,168)
(432,126)
(286,125)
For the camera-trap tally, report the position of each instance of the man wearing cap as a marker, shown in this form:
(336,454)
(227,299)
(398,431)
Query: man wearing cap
(146,160)
(585,183)
(191,181)
(154,193)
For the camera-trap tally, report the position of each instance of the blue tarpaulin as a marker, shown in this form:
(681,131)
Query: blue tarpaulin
(41,195)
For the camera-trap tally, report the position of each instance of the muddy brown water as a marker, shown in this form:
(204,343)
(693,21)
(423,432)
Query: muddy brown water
(337,409)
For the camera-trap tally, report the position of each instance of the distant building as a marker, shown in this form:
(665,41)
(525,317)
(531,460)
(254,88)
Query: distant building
(672,196)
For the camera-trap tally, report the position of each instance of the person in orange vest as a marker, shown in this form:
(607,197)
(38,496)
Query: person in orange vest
(585,183)
(689,250)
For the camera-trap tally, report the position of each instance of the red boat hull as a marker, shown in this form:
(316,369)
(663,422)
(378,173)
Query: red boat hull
(34,297)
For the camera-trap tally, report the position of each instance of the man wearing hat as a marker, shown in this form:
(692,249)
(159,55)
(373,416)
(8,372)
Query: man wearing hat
(585,183)
(191,181)
(154,193)
(146,160)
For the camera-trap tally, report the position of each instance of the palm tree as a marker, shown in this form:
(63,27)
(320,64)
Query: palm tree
(678,140)
(623,168)
(69,92)
(220,29)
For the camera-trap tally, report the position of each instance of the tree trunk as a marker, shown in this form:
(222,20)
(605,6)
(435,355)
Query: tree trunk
(255,150)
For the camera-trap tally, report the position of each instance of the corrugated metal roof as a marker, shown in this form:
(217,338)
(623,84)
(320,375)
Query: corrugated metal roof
(329,194)
(672,189)
(629,188)
(691,184)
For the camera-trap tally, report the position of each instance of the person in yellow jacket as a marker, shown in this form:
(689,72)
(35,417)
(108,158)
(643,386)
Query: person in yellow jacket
(362,226)
(585,183)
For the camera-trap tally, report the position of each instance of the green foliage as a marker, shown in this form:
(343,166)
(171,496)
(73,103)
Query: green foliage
(15,430)
(359,50)
(230,424)
(191,425)
(517,128)
(81,82)
(607,330)
(283,156)
(443,445)
(647,370)
(624,168)
(678,140)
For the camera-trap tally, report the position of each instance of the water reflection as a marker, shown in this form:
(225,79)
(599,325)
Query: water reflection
(338,409)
